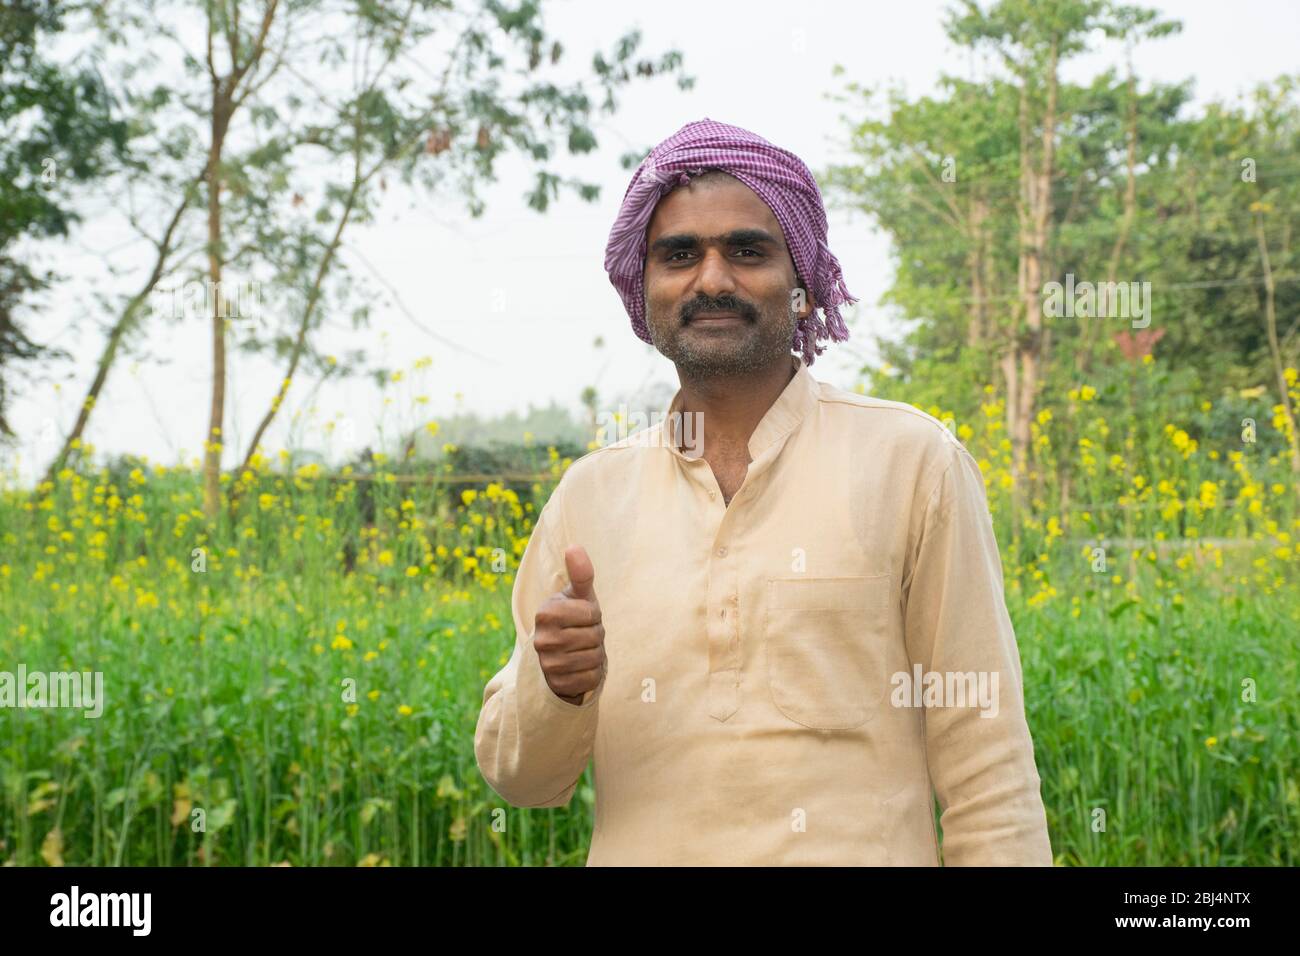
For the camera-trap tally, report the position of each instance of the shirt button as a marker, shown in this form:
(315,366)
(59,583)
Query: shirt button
(713,494)
(722,552)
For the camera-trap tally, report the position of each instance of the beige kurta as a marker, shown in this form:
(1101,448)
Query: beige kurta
(753,711)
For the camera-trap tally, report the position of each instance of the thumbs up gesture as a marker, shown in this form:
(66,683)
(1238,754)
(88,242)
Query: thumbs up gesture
(568,635)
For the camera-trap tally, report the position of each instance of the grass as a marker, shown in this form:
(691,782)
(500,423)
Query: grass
(299,683)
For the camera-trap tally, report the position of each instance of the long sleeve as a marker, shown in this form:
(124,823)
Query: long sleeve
(981,759)
(531,746)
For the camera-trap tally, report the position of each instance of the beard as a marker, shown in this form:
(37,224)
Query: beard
(760,340)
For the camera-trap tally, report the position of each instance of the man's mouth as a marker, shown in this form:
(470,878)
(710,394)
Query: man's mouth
(716,318)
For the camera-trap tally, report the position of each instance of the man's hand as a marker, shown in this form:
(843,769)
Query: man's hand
(568,635)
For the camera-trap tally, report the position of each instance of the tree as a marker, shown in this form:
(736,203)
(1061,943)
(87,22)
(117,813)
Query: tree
(59,132)
(275,129)
(1000,185)
(1032,39)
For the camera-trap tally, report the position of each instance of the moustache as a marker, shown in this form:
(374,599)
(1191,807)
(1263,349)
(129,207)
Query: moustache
(725,303)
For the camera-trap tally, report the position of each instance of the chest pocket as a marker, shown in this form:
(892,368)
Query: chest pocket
(826,655)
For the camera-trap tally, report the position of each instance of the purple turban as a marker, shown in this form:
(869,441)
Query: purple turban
(777,176)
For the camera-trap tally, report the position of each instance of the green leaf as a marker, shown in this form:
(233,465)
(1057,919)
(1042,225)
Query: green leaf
(1120,608)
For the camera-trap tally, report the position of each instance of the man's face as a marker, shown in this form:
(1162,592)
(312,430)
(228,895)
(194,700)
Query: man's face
(718,280)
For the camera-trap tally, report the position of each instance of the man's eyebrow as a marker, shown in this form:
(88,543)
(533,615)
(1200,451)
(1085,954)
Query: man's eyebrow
(675,243)
(737,237)
(750,237)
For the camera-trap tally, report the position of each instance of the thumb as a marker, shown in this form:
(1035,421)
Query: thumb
(581,573)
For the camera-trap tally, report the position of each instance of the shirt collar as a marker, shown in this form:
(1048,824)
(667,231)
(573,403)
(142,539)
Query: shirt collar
(790,408)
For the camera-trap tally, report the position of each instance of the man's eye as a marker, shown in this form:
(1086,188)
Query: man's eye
(679,252)
(747,249)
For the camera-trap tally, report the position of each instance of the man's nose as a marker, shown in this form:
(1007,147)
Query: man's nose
(715,276)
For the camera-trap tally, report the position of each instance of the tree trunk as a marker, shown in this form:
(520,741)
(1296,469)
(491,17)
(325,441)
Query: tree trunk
(224,104)
(125,322)
(978,328)
(300,341)
(1274,349)
(216,414)
(1035,222)
(1087,329)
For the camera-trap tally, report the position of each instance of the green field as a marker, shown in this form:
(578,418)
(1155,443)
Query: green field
(228,704)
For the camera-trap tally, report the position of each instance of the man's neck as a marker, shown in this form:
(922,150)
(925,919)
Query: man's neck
(731,407)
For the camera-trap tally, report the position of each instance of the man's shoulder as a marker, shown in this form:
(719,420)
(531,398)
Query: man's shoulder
(911,444)
(884,421)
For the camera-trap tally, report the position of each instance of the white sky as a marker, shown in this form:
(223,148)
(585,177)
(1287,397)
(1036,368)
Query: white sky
(765,66)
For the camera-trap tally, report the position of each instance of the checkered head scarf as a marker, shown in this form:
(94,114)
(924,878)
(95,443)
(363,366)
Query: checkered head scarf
(777,176)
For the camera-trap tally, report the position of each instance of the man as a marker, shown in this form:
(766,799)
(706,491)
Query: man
(774,593)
